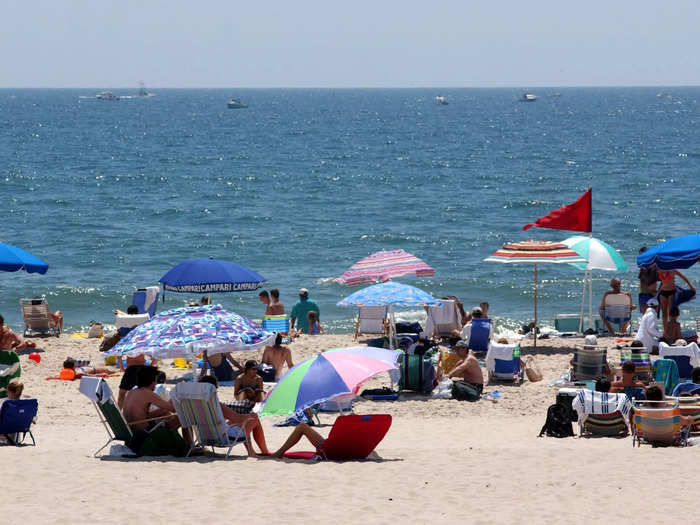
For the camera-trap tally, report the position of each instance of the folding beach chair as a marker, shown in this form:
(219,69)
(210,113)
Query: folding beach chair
(37,317)
(503,362)
(589,363)
(276,323)
(443,320)
(197,405)
(601,413)
(658,423)
(642,365)
(371,320)
(9,369)
(690,407)
(480,333)
(616,311)
(97,390)
(686,357)
(351,438)
(16,417)
(146,300)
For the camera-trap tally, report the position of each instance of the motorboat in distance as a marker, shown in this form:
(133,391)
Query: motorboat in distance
(234,103)
(106,95)
(441,100)
(528,97)
(143,92)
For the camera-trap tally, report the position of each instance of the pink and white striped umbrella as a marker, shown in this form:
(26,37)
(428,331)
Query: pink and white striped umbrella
(384,265)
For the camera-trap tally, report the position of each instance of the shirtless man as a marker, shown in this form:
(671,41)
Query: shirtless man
(467,368)
(615,289)
(12,341)
(275,307)
(137,404)
(276,356)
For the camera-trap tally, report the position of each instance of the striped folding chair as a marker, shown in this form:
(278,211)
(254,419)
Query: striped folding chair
(658,423)
(642,365)
(197,406)
(602,414)
(589,363)
(690,407)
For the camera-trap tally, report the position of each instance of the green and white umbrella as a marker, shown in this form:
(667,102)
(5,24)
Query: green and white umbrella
(599,256)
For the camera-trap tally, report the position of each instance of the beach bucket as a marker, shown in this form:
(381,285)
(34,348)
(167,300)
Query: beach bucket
(180,362)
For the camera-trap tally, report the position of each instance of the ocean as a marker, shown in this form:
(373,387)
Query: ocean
(304,182)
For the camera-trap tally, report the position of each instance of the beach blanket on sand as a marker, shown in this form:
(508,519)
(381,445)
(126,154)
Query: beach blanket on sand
(590,402)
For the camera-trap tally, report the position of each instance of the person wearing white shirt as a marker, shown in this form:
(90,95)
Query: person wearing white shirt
(466,333)
(648,332)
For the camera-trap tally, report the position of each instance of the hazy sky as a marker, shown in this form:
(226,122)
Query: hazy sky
(275,43)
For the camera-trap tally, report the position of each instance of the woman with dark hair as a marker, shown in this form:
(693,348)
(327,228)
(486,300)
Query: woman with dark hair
(648,277)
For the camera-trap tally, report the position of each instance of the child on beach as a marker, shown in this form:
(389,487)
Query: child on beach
(71,373)
(315,327)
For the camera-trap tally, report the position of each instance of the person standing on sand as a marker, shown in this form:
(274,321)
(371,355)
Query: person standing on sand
(667,291)
(648,277)
(648,332)
(301,310)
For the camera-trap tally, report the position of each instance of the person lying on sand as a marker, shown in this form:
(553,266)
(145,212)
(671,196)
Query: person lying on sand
(467,368)
(70,372)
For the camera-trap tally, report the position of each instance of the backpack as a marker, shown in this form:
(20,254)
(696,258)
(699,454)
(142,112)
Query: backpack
(558,423)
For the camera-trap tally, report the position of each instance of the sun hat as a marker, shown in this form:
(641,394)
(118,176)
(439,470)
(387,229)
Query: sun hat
(477,310)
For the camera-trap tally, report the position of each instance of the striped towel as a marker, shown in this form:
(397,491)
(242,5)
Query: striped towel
(590,402)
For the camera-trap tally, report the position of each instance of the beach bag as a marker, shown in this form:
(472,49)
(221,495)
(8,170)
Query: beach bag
(532,371)
(95,330)
(558,423)
(267,372)
(109,341)
(417,373)
(403,327)
(465,392)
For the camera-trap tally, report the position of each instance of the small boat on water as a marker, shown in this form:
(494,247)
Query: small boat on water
(235,103)
(528,97)
(143,92)
(106,95)
(442,100)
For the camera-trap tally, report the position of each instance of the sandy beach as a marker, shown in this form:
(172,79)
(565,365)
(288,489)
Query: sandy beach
(442,460)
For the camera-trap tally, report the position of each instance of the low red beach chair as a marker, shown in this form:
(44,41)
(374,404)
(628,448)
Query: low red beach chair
(352,437)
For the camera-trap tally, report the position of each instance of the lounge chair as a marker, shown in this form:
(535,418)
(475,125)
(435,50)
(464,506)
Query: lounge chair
(125,322)
(276,323)
(690,407)
(479,336)
(589,363)
(9,369)
(616,311)
(443,320)
(658,423)
(601,413)
(37,318)
(642,365)
(686,357)
(351,437)
(503,362)
(16,417)
(146,300)
(371,320)
(197,405)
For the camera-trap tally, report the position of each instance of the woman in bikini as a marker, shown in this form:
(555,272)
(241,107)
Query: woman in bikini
(249,385)
(667,290)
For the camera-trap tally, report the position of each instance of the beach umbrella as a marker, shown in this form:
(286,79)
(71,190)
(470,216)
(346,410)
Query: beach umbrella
(207,276)
(535,252)
(186,332)
(13,259)
(391,294)
(326,375)
(675,254)
(384,265)
(599,256)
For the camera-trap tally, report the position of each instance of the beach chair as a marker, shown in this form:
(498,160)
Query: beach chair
(9,369)
(443,320)
(16,418)
(616,311)
(589,363)
(197,405)
(686,357)
(480,333)
(99,393)
(276,323)
(642,365)
(125,322)
(37,318)
(658,423)
(602,414)
(351,438)
(146,300)
(371,320)
(681,388)
(503,362)
(690,407)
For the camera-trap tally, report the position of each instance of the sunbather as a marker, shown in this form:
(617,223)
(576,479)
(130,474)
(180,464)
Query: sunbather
(467,368)
(220,366)
(248,422)
(616,289)
(301,430)
(249,385)
(10,340)
(138,404)
(70,372)
(277,356)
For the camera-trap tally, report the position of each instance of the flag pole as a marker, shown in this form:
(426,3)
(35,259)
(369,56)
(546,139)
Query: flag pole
(535,327)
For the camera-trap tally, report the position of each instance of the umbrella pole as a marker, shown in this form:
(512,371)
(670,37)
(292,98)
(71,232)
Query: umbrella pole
(535,328)
(590,298)
(583,302)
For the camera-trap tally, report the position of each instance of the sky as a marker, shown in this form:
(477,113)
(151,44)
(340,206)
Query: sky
(380,43)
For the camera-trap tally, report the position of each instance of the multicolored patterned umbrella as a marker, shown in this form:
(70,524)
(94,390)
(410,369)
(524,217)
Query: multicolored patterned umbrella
(326,375)
(384,265)
(533,252)
(390,293)
(184,332)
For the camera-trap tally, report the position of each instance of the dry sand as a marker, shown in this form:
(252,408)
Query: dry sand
(442,461)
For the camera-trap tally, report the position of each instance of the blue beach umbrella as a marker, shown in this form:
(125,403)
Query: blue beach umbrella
(674,254)
(208,276)
(13,259)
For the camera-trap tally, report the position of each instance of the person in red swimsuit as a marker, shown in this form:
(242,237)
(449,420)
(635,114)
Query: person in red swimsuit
(667,290)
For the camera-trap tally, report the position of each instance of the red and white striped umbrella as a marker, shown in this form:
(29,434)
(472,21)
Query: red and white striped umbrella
(384,265)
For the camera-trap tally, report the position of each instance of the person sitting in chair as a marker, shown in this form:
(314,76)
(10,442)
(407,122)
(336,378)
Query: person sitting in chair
(465,334)
(616,289)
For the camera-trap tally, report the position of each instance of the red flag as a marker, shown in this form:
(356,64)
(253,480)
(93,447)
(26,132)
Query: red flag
(577,216)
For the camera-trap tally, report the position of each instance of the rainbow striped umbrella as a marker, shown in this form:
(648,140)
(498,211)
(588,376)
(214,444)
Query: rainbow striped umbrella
(384,265)
(534,252)
(326,375)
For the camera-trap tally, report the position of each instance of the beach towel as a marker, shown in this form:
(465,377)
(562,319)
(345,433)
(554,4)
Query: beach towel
(666,372)
(590,402)
(152,293)
(687,357)
(499,351)
(95,389)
